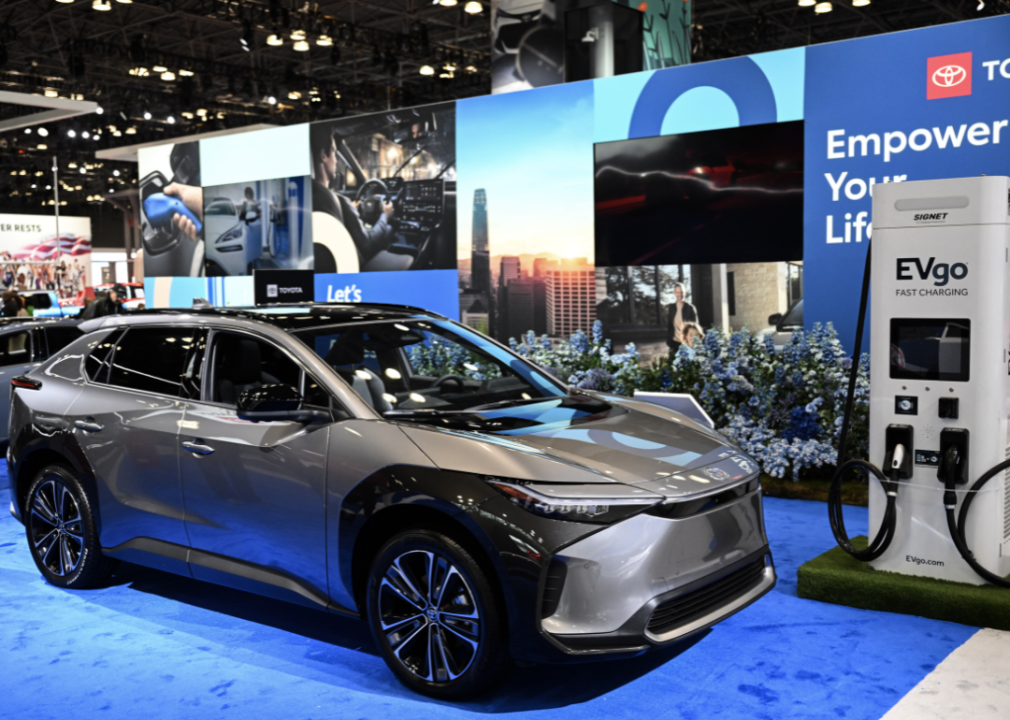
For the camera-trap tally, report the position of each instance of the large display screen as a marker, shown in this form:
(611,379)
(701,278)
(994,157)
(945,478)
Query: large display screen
(930,349)
(719,196)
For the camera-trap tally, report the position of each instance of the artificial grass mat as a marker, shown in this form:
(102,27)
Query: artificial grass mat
(836,577)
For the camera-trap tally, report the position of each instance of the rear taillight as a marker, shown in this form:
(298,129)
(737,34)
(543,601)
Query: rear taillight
(23,381)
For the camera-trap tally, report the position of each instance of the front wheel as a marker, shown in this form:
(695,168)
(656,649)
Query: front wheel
(62,537)
(435,616)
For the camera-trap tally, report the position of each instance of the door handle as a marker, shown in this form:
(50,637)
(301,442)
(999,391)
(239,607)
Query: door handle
(199,449)
(88,425)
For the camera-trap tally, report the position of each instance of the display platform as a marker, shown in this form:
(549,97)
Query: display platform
(159,646)
(836,577)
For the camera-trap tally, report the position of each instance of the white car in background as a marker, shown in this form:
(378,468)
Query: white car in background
(782,325)
(225,238)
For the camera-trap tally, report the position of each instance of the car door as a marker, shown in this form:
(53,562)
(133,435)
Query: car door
(18,354)
(255,492)
(126,421)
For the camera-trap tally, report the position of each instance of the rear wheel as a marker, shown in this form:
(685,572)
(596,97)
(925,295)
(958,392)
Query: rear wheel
(435,617)
(61,531)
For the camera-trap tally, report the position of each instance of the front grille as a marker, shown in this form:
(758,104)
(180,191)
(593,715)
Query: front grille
(697,603)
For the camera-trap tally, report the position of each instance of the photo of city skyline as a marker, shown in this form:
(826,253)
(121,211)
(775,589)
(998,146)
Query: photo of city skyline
(531,270)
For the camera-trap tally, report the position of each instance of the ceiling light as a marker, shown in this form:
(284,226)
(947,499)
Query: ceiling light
(324,40)
(183,72)
(272,100)
(823,7)
(131,131)
(147,116)
(201,111)
(447,3)
(28,131)
(297,34)
(274,39)
(99,110)
(473,7)
(72,165)
(71,134)
(301,46)
(66,2)
(138,71)
(294,95)
(51,93)
(22,172)
(116,173)
(170,120)
(471,69)
(43,146)
(84,171)
(43,132)
(860,3)
(85,134)
(169,76)
(807,3)
(159,68)
(77,187)
(188,115)
(115,133)
(981,6)
(101,5)
(427,70)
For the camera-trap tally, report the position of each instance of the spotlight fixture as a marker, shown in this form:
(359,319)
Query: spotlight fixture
(297,34)
(301,46)
(447,3)
(71,133)
(981,6)
(51,93)
(115,133)
(115,173)
(72,165)
(84,171)
(101,5)
(860,3)
(43,132)
(275,40)
(823,7)
(42,146)
(99,110)
(170,120)
(125,2)
(272,100)
(808,3)
(168,76)
(188,115)
(294,95)
(65,2)
(138,72)
(147,115)
(131,130)
(159,68)
(201,111)
(28,131)
(324,40)
(473,7)
(427,70)
(183,72)
(85,134)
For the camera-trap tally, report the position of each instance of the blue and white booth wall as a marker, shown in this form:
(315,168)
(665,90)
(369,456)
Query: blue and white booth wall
(741,186)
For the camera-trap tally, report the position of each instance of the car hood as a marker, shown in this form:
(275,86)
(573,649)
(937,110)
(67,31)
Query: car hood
(635,443)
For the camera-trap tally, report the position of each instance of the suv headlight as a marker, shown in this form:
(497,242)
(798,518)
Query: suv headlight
(534,498)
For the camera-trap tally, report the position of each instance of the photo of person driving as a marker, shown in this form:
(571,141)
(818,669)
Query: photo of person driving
(370,241)
(384,191)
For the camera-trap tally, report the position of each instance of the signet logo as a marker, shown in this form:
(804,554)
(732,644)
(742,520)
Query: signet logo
(948,76)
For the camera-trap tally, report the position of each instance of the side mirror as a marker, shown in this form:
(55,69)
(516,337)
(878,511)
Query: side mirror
(271,403)
(775,319)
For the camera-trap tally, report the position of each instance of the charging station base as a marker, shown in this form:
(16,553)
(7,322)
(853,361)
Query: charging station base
(838,578)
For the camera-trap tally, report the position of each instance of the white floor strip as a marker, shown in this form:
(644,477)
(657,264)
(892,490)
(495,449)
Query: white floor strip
(972,683)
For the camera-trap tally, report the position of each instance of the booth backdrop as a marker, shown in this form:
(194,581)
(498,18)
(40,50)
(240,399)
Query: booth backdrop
(739,187)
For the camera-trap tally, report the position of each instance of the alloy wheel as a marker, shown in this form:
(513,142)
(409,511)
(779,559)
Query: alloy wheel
(56,528)
(429,616)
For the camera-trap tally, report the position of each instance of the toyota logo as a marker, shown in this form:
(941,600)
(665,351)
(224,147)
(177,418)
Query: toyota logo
(949,76)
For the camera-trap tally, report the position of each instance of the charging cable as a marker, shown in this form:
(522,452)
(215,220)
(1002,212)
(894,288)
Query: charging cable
(956,522)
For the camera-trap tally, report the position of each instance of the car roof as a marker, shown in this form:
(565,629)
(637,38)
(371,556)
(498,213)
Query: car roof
(285,317)
(7,322)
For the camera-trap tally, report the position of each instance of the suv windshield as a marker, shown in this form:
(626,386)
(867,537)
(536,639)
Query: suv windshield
(428,366)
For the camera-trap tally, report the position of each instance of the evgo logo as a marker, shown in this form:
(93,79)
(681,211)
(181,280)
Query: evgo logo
(948,76)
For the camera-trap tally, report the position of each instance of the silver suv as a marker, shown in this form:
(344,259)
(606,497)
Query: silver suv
(387,463)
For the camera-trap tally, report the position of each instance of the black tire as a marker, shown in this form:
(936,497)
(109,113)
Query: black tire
(61,532)
(465,633)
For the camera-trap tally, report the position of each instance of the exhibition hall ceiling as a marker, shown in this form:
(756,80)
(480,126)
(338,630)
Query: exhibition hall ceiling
(163,69)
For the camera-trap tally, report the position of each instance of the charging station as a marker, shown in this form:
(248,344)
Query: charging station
(939,376)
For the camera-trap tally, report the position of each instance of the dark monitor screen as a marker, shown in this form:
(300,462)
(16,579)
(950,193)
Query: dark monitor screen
(930,349)
(720,196)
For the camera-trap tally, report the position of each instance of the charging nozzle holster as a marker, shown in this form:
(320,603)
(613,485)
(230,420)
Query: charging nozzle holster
(894,436)
(953,456)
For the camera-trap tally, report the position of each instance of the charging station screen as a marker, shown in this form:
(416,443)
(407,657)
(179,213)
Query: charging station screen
(930,349)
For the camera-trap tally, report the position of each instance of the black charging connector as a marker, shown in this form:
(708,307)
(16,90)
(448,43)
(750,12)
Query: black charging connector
(953,456)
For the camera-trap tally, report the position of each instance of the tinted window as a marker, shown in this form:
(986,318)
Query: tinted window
(40,301)
(97,365)
(59,337)
(152,359)
(243,361)
(17,348)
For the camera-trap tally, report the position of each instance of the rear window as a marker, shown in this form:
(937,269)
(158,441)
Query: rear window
(152,359)
(40,301)
(59,337)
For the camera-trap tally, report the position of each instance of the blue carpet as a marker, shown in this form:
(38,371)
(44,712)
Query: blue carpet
(156,646)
